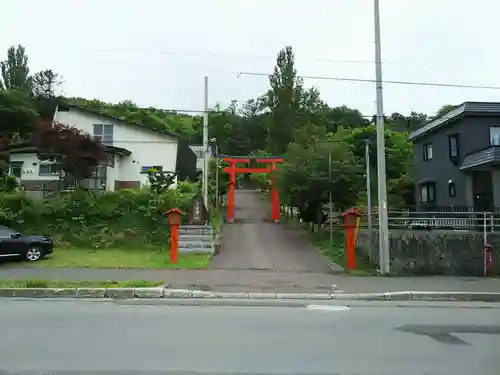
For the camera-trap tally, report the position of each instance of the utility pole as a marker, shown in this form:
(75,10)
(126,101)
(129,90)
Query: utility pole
(369,196)
(383,220)
(205,146)
(330,195)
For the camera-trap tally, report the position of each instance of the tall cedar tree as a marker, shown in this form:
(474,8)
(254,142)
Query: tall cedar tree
(283,101)
(75,151)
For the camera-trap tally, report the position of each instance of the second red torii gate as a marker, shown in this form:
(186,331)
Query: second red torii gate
(271,167)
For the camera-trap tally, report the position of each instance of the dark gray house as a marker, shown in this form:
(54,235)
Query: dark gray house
(457,158)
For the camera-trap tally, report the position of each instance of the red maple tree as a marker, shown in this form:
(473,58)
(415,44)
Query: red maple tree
(75,151)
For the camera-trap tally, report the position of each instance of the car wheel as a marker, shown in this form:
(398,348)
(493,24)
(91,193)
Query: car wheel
(34,253)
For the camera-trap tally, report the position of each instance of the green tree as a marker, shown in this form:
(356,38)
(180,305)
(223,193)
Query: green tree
(226,126)
(223,180)
(283,100)
(306,180)
(160,181)
(345,117)
(15,70)
(45,83)
(416,120)
(18,115)
(445,109)
(398,159)
(254,123)
(401,123)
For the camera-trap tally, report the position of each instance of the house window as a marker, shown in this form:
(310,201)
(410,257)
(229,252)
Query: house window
(48,169)
(428,192)
(110,160)
(452,192)
(495,136)
(98,177)
(104,133)
(16,169)
(453,147)
(428,151)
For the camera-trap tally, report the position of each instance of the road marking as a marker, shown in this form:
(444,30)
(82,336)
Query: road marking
(444,333)
(327,307)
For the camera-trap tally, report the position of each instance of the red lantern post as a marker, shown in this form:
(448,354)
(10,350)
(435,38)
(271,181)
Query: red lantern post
(351,223)
(174,219)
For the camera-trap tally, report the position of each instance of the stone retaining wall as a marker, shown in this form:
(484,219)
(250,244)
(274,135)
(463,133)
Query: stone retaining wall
(435,252)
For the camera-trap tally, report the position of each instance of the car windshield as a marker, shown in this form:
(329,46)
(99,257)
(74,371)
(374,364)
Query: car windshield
(8,230)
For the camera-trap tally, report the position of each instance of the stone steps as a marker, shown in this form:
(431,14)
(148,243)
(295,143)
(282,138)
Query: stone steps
(196,239)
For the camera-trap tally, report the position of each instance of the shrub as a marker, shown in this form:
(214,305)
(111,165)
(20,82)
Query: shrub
(9,184)
(126,218)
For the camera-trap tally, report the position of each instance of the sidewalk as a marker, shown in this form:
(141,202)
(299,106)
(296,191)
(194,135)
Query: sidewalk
(263,280)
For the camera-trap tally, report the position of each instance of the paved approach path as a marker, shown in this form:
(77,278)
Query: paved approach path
(254,242)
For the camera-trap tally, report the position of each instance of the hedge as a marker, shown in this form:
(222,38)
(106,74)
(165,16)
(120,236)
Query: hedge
(126,218)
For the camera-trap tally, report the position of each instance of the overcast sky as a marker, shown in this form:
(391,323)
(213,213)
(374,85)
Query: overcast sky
(156,52)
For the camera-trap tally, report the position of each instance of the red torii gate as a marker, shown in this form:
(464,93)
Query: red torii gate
(271,166)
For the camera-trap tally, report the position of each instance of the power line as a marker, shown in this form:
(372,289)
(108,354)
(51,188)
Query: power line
(256,57)
(230,56)
(432,84)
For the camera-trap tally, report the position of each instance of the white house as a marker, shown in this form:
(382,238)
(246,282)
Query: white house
(132,150)
(200,157)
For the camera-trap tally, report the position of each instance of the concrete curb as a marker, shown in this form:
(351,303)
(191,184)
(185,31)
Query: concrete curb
(158,292)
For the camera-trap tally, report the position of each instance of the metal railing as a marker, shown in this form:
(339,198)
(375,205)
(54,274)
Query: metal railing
(92,183)
(465,218)
(443,220)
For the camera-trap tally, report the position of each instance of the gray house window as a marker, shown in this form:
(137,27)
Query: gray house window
(104,133)
(453,147)
(495,136)
(428,151)
(16,169)
(98,177)
(428,192)
(452,192)
(48,169)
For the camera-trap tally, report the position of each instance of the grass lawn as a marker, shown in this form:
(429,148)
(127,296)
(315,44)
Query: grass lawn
(117,258)
(39,283)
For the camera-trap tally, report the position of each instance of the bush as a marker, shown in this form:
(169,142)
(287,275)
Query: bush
(9,184)
(262,180)
(126,218)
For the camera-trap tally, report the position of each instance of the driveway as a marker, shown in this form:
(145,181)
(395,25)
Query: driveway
(254,242)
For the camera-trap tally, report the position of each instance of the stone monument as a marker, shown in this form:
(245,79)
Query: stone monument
(198,214)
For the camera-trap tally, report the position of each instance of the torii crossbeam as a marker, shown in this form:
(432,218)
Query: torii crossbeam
(271,166)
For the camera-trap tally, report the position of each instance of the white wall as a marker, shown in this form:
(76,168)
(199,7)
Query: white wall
(148,148)
(31,167)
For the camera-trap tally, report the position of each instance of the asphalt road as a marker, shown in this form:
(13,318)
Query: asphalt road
(254,242)
(92,337)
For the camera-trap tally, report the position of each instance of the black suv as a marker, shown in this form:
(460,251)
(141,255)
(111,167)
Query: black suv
(32,248)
